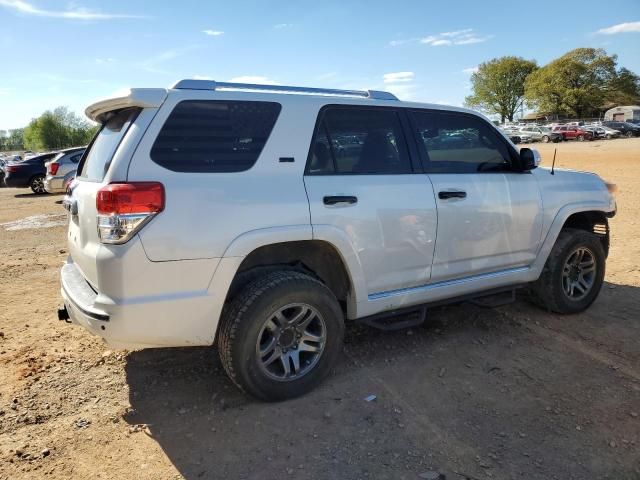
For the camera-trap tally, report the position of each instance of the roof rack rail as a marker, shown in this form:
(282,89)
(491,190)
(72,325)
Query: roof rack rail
(188,84)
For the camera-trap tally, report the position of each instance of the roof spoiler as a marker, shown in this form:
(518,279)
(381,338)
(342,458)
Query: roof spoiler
(133,97)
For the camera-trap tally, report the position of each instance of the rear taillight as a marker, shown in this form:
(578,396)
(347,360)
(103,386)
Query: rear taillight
(11,168)
(52,168)
(124,208)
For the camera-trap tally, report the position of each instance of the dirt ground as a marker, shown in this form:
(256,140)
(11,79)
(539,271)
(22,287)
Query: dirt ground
(506,393)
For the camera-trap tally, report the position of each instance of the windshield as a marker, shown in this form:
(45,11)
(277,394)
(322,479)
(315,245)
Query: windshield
(97,159)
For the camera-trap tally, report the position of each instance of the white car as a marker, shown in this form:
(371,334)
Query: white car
(609,133)
(262,218)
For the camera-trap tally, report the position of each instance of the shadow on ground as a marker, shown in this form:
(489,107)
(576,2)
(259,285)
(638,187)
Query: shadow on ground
(512,392)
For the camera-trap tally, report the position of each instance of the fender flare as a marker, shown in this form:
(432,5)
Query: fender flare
(249,241)
(556,226)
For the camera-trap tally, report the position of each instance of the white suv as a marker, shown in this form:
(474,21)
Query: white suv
(261,218)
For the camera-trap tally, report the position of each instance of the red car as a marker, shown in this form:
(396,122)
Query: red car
(571,132)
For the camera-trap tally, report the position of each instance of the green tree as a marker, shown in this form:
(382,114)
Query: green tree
(57,129)
(498,86)
(577,83)
(15,140)
(624,88)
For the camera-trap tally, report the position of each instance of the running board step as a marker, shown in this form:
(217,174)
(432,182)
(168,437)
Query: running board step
(396,319)
(495,299)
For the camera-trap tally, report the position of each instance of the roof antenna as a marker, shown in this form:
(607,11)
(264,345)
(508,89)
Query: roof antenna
(553,164)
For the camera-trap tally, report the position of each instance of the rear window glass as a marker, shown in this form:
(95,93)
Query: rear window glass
(104,145)
(214,136)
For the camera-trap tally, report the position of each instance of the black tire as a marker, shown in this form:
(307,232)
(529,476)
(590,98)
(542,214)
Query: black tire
(580,138)
(37,184)
(629,134)
(545,139)
(245,317)
(548,291)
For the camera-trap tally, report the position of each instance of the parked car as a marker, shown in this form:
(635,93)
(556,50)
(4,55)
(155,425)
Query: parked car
(541,134)
(571,132)
(625,128)
(610,133)
(66,161)
(201,214)
(29,172)
(597,132)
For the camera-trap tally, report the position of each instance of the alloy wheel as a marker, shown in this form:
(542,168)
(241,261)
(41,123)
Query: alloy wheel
(579,273)
(291,342)
(38,185)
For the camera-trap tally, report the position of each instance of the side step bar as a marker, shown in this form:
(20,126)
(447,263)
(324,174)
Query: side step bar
(416,315)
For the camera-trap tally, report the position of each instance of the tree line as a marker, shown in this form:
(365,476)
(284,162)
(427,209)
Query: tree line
(53,130)
(581,83)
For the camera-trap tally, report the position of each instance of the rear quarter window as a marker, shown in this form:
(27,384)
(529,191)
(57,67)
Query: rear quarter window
(214,135)
(97,160)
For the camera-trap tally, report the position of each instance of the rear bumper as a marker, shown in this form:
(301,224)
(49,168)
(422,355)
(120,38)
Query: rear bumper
(170,320)
(14,181)
(54,184)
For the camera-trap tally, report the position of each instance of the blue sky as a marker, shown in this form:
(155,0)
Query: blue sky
(61,53)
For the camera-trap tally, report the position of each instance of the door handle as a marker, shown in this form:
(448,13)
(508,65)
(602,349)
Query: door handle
(335,199)
(456,194)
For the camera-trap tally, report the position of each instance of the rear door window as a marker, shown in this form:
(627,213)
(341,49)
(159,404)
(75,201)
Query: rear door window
(365,141)
(214,135)
(96,162)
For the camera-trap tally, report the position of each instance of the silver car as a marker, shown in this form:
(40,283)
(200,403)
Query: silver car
(61,168)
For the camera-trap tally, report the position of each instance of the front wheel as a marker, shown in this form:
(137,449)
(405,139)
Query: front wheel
(545,139)
(37,184)
(581,138)
(629,134)
(281,335)
(573,274)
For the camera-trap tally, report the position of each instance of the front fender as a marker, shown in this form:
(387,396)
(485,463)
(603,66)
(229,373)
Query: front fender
(556,226)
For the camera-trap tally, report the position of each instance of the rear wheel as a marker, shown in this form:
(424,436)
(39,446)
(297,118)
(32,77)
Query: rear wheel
(581,138)
(280,335)
(629,134)
(545,139)
(573,274)
(37,184)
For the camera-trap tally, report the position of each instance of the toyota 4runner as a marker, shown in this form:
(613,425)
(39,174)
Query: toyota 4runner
(262,218)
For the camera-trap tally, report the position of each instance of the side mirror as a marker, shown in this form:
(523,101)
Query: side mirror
(529,159)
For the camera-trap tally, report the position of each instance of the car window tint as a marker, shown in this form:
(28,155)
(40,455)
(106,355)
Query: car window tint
(214,135)
(460,143)
(76,158)
(104,145)
(360,141)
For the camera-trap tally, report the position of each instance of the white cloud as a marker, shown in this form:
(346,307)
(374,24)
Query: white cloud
(213,33)
(466,36)
(75,13)
(470,70)
(398,77)
(101,61)
(283,25)
(626,27)
(441,42)
(257,79)
(456,33)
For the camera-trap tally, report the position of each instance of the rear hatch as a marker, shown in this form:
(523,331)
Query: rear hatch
(83,240)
